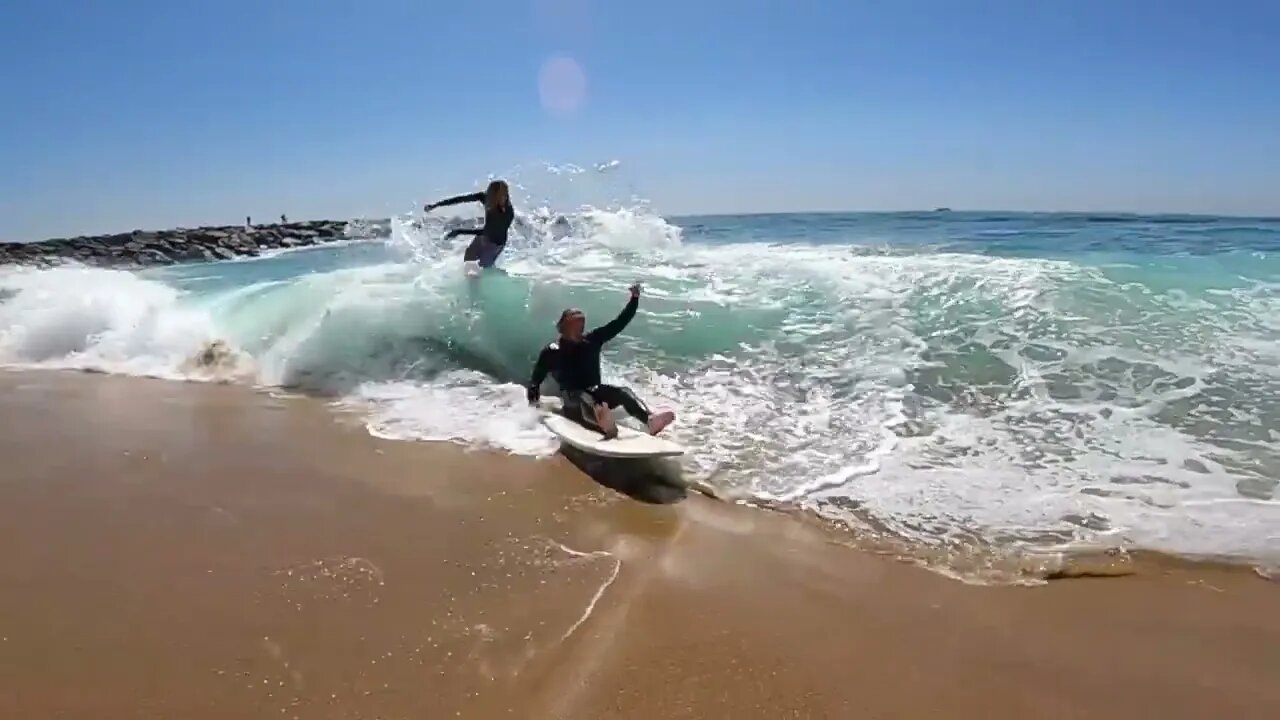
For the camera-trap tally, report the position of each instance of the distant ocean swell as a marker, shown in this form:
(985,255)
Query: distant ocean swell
(1036,388)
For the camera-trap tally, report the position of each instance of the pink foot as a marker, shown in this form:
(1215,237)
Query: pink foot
(604,419)
(659,421)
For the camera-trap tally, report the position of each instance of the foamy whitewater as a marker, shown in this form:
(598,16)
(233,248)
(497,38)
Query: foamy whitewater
(1005,380)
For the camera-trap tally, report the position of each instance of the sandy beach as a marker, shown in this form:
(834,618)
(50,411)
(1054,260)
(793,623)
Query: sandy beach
(178,550)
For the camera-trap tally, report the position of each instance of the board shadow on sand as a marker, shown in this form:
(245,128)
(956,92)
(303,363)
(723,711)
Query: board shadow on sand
(656,481)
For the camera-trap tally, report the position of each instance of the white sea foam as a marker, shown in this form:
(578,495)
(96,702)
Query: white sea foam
(106,320)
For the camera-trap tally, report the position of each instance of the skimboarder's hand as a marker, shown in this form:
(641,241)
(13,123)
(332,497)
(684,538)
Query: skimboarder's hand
(635,290)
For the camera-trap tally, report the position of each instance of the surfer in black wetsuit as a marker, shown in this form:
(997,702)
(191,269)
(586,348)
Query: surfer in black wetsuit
(574,361)
(491,238)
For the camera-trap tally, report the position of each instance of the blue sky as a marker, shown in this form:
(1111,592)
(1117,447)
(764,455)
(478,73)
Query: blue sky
(141,113)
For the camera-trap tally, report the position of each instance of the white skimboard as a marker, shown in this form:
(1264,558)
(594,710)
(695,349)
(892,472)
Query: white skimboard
(630,443)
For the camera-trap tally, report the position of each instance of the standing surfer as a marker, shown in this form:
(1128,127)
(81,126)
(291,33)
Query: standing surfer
(491,238)
(574,361)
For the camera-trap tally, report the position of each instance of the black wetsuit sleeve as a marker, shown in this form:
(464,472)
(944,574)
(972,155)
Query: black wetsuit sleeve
(459,199)
(467,231)
(609,331)
(540,370)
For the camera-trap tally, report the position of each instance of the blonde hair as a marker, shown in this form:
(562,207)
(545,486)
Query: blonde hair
(564,316)
(497,189)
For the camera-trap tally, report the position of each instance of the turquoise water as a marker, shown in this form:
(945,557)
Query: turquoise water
(1007,380)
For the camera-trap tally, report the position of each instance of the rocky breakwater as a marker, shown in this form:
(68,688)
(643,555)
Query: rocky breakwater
(166,247)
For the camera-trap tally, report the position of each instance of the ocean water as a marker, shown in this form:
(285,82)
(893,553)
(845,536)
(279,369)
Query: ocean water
(1008,381)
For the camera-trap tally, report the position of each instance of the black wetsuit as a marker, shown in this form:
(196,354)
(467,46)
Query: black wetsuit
(575,365)
(497,221)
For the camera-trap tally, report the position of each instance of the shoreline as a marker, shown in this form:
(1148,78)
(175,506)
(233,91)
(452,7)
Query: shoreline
(1006,566)
(979,564)
(201,550)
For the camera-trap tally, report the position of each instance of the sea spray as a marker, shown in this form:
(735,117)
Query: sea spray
(1060,382)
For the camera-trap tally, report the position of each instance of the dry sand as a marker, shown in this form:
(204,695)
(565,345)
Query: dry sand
(191,551)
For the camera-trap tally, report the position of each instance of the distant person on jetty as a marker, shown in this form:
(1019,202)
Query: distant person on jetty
(491,238)
(248,221)
(574,361)
(283,220)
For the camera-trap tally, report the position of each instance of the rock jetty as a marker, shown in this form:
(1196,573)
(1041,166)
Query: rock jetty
(166,247)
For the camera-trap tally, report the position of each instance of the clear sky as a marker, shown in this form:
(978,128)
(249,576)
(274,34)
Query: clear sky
(154,113)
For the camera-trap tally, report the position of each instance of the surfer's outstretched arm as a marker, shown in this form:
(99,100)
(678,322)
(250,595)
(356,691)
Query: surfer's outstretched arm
(610,330)
(540,370)
(456,200)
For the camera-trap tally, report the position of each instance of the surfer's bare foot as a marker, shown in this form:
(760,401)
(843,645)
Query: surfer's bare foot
(659,421)
(604,418)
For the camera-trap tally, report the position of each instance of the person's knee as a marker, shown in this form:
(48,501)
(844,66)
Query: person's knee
(632,401)
(611,395)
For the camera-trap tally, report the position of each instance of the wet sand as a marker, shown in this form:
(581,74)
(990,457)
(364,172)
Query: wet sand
(195,551)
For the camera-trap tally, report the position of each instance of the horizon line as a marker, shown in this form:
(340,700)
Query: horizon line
(943,210)
(1120,214)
